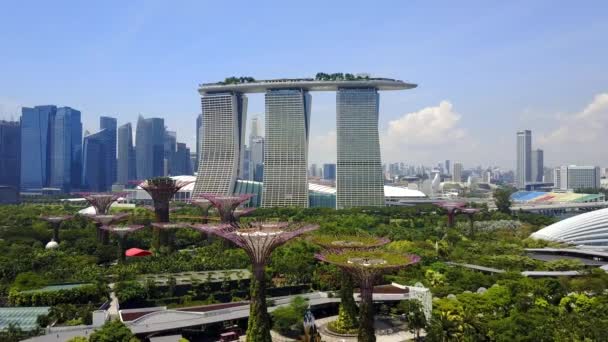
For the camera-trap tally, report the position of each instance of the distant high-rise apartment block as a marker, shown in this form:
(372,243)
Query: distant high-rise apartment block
(35,147)
(126,155)
(65,149)
(523,170)
(457,172)
(10,154)
(573,177)
(224,116)
(329,172)
(537,165)
(286,148)
(150,147)
(108,124)
(359,180)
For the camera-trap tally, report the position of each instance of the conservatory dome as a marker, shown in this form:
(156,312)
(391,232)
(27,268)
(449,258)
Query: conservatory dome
(588,229)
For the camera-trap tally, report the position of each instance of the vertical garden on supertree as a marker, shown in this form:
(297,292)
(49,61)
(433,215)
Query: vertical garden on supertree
(367,266)
(227,206)
(55,221)
(451,209)
(161,189)
(347,313)
(121,232)
(258,239)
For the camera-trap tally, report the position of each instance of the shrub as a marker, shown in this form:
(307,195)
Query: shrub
(287,320)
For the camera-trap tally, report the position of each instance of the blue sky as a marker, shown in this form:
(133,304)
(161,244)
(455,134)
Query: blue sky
(485,68)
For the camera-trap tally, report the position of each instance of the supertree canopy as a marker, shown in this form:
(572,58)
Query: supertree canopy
(101,201)
(162,189)
(226,205)
(452,209)
(167,238)
(347,314)
(205,206)
(105,220)
(258,239)
(367,266)
(55,221)
(470,212)
(121,232)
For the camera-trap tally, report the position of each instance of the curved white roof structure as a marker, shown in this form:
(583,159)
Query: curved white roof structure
(588,229)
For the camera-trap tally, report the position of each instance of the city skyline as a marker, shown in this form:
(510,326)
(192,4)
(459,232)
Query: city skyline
(518,73)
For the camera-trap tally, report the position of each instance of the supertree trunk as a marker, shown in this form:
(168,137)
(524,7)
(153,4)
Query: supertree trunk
(159,236)
(56,232)
(366,312)
(258,328)
(451,219)
(121,247)
(347,314)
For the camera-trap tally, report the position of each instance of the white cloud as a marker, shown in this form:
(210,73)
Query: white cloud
(322,148)
(430,134)
(580,137)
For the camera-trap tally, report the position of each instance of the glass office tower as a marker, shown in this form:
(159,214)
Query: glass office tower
(523,170)
(222,142)
(286,148)
(149,148)
(109,125)
(94,174)
(65,157)
(35,131)
(10,154)
(359,180)
(126,155)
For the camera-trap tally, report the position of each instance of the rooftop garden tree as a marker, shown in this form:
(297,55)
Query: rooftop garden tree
(259,240)
(367,266)
(347,314)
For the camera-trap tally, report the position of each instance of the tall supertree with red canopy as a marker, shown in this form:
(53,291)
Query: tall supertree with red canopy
(227,206)
(367,267)
(347,313)
(452,209)
(258,239)
(162,189)
(121,232)
(55,221)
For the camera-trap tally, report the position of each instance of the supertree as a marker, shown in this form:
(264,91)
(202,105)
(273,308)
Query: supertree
(205,206)
(258,239)
(101,201)
(161,189)
(55,221)
(169,228)
(470,212)
(367,266)
(226,206)
(347,313)
(121,232)
(106,220)
(452,209)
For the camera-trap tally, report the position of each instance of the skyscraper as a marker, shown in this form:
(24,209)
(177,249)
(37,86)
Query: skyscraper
(149,148)
(448,169)
(10,154)
(126,155)
(329,172)
(256,151)
(224,117)
(65,145)
(109,125)
(199,132)
(359,168)
(457,172)
(523,170)
(286,150)
(181,161)
(35,147)
(537,165)
(95,170)
(573,177)
(170,146)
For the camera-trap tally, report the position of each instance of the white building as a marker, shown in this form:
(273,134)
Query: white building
(457,172)
(574,177)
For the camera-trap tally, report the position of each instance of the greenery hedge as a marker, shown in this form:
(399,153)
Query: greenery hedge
(80,295)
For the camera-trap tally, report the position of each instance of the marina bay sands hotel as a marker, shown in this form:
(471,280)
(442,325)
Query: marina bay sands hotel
(359,178)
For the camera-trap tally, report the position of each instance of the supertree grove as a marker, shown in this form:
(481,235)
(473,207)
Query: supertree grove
(367,266)
(227,206)
(258,239)
(105,220)
(55,221)
(167,239)
(101,201)
(347,314)
(121,232)
(205,206)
